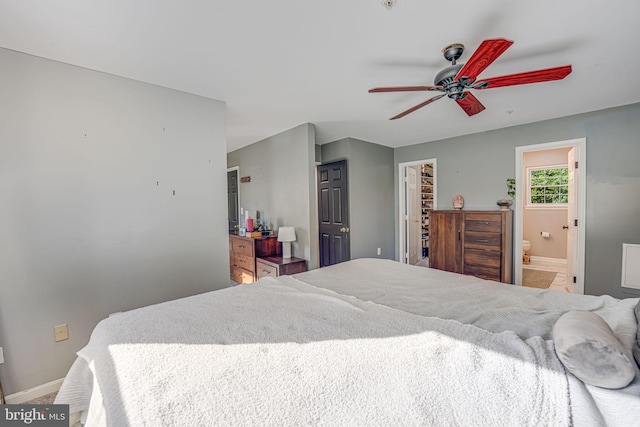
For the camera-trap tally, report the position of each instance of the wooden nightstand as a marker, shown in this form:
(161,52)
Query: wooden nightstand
(275,266)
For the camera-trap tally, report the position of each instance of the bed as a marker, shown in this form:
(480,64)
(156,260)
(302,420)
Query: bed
(366,342)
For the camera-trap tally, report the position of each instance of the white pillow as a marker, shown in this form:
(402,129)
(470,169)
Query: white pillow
(588,348)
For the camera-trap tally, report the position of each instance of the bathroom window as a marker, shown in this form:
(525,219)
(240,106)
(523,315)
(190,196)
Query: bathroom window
(548,186)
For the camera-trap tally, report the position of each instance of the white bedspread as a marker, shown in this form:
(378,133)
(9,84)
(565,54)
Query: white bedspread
(281,352)
(494,307)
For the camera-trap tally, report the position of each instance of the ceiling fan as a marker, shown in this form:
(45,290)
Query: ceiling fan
(454,80)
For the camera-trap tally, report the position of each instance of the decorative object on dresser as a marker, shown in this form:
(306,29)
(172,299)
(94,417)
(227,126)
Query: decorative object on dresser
(476,243)
(511,192)
(274,266)
(243,252)
(458,202)
(286,235)
(504,204)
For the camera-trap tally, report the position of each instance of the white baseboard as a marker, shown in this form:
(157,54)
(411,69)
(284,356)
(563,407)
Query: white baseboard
(549,260)
(34,393)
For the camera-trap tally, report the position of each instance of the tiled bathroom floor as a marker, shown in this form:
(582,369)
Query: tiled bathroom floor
(560,283)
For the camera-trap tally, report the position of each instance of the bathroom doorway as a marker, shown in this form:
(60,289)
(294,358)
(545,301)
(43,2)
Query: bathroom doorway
(417,182)
(549,215)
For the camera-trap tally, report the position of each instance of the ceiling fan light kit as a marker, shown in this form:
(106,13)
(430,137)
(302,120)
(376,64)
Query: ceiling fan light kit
(456,79)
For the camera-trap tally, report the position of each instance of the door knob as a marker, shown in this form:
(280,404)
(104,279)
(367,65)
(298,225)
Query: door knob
(344,230)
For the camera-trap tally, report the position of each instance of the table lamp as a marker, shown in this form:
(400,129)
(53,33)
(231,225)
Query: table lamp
(286,235)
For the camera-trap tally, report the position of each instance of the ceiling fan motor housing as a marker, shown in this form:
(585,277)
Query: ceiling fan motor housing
(447,79)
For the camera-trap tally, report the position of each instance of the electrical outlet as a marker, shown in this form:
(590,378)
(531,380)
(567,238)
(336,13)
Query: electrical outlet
(1,355)
(379,251)
(61,332)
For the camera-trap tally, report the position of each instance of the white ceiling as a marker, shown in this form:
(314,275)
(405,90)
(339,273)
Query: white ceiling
(281,63)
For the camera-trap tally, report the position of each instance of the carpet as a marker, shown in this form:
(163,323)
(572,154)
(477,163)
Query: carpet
(424,262)
(537,278)
(47,399)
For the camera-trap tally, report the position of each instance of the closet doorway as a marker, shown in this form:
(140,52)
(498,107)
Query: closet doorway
(549,224)
(233,198)
(417,190)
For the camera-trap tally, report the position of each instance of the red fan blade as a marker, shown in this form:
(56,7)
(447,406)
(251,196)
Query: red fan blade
(404,89)
(488,51)
(546,75)
(470,104)
(412,109)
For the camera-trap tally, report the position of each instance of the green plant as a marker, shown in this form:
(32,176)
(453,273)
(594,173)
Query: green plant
(511,187)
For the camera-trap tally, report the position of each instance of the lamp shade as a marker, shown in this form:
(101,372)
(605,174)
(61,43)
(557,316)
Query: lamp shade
(286,234)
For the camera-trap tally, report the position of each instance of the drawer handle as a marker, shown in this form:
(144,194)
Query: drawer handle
(484,222)
(482,240)
(481,258)
(266,271)
(241,246)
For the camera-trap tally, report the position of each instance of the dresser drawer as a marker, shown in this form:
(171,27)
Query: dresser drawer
(243,261)
(476,240)
(488,273)
(483,222)
(482,258)
(265,270)
(240,275)
(241,246)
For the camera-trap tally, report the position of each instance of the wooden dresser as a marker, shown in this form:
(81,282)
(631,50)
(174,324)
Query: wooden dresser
(243,252)
(478,243)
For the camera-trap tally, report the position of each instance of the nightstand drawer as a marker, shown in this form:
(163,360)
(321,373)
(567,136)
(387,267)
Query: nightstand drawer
(265,270)
(281,266)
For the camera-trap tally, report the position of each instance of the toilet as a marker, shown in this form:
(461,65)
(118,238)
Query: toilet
(526,245)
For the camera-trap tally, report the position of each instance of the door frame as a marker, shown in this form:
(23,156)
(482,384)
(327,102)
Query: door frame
(581,145)
(402,202)
(240,214)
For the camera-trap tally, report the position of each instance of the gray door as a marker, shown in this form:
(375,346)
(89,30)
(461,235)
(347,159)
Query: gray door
(232,199)
(333,213)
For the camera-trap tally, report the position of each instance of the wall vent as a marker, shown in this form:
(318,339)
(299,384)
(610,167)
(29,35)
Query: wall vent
(630,266)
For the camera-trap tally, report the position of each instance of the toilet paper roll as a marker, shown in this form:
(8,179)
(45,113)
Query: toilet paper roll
(545,234)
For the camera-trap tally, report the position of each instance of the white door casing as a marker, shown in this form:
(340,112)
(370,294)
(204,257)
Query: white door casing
(403,230)
(578,246)
(414,216)
(571,213)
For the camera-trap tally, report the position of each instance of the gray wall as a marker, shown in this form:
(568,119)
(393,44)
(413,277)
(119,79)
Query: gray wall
(371,206)
(89,224)
(477,166)
(282,171)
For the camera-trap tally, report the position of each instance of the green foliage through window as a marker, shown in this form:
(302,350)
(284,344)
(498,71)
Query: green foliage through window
(549,186)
